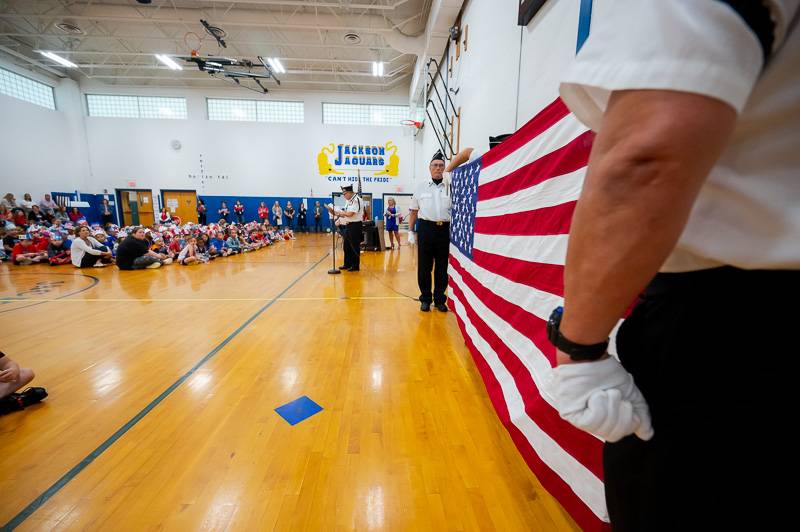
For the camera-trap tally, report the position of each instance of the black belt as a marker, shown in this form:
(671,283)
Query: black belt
(431,222)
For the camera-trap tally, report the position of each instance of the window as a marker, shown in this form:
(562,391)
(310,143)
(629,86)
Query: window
(232,110)
(114,106)
(256,111)
(282,112)
(354,114)
(16,86)
(158,107)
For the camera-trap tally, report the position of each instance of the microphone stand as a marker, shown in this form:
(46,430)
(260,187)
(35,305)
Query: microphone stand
(334,270)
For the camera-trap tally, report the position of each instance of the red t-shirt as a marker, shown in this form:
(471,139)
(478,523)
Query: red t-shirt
(20,220)
(19,248)
(263,213)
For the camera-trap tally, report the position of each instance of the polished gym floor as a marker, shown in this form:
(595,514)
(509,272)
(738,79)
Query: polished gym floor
(164,383)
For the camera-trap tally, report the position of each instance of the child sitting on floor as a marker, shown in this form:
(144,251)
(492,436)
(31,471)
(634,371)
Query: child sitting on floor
(202,247)
(188,254)
(217,246)
(26,253)
(233,242)
(56,252)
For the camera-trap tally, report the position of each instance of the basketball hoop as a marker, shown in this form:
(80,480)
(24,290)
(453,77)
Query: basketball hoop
(411,127)
(193,42)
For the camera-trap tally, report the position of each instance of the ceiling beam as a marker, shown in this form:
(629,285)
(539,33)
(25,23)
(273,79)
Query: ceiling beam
(179,21)
(149,54)
(157,38)
(298,3)
(99,66)
(32,61)
(300,81)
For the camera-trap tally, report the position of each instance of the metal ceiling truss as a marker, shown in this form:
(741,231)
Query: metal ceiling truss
(118,41)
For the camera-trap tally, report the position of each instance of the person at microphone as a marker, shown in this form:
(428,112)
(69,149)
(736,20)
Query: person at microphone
(351,217)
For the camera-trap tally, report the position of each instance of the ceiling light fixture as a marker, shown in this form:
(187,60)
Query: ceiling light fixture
(58,59)
(377,69)
(276,65)
(167,60)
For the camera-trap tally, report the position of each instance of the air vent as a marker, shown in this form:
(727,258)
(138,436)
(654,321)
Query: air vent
(351,38)
(69,28)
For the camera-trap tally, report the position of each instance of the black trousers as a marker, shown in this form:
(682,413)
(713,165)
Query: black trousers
(433,244)
(717,362)
(89,260)
(352,244)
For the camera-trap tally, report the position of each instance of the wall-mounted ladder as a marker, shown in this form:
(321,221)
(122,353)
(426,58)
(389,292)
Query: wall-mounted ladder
(440,109)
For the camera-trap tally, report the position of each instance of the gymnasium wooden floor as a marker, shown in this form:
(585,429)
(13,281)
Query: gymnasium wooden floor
(407,439)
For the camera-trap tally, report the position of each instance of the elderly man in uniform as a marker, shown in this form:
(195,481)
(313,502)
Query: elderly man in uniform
(431,205)
(691,199)
(352,217)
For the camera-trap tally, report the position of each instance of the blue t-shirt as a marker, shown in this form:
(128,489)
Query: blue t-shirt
(218,243)
(233,243)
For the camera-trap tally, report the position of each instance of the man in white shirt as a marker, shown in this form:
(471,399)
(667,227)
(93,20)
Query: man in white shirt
(693,174)
(352,217)
(430,206)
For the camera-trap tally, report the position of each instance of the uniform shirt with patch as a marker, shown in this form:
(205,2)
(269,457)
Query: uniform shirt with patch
(748,211)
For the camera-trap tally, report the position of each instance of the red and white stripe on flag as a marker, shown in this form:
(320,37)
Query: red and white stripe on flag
(512,210)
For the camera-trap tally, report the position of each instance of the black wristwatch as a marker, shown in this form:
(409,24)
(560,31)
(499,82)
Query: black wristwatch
(576,351)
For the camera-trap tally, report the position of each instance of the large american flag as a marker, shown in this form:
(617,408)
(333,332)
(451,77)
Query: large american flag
(511,216)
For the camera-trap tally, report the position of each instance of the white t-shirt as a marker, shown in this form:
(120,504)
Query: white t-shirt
(748,211)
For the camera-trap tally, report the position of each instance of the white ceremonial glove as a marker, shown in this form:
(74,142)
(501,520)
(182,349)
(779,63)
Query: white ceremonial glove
(601,398)
(412,237)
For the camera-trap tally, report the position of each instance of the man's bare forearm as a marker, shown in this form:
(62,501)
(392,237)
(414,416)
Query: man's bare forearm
(652,155)
(459,159)
(412,218)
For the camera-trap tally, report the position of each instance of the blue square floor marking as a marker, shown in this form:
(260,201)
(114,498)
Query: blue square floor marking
(296,411)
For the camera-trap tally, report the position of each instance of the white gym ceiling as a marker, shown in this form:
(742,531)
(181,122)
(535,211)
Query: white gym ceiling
(324,45)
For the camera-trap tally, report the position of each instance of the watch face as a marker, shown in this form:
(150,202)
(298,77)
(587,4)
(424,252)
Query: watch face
(553,324)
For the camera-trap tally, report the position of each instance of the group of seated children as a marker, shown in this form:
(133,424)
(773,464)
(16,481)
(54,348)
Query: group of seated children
(85,246)
(58,244)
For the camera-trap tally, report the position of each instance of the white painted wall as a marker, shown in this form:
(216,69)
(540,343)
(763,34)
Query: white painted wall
(260,159)
(508,72)
(64,150)
(42,150)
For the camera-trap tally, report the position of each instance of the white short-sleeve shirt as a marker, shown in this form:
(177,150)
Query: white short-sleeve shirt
(748,211)
(354,204)
(432,201)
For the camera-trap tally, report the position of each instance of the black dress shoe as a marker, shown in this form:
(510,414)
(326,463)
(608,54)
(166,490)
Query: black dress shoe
(353,269)
(343,268)
(425,307)
(11,403)
(441,307)
(31,396)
